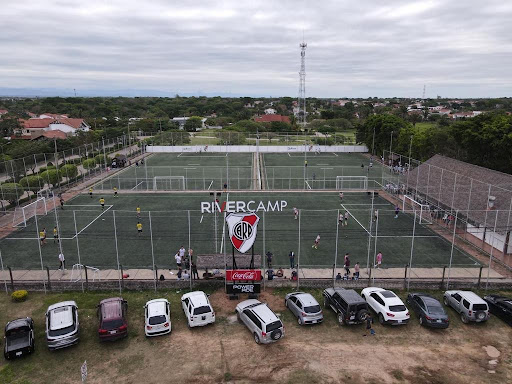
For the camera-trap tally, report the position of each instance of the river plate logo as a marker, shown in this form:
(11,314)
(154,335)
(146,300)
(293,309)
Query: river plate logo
(242,230)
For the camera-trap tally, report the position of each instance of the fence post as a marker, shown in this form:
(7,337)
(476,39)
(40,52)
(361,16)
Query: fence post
(405,275)
(156,275)
(369,275)
(442,280)
(12,280)
(122,275)
(86,278)
(49,282)
(333,272)
(480,276)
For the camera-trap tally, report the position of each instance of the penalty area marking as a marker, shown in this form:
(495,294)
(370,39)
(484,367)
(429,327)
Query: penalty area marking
(358,222)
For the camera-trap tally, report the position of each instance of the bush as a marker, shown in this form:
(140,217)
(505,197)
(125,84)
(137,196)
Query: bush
(69,170)
(19,296)
(51,176)
(33,183)
(11,192)
(89,164)
(100,159)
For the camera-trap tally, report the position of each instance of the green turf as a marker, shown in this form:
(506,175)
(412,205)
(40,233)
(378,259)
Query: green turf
(287,171)
(201,171)
(170,229)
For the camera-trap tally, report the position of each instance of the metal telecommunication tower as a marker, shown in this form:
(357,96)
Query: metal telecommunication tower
(302,84)
(424,87)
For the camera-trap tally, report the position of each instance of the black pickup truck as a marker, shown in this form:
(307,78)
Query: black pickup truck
(350,307)
(19,338)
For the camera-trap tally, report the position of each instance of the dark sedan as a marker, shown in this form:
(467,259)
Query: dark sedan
(429,310)
(500,306)
(19,338)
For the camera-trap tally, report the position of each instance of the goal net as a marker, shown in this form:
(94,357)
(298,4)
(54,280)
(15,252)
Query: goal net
(168,183)
(23,214)
(351,182)
(423,213)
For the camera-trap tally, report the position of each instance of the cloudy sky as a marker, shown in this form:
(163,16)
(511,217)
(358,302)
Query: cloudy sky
(356,48)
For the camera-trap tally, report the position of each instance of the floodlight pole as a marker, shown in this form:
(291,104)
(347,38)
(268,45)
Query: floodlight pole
(152,250)
(492,248)
(2,265)
(78,249)
(451,252)
(412,249)
(370,237)
(409,165)
(117,251)
(298,255)
(39,245)
(336,249)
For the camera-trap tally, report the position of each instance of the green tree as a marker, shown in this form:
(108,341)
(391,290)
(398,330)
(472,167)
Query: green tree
(32,183)
(51,176)
(193,123)
(69,170)
(383,126)
(89,164)
(231,138)
(279,126)
(100,159)
(414,118)
(11,192)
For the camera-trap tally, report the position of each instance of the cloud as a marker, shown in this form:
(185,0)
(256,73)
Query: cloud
(355,48)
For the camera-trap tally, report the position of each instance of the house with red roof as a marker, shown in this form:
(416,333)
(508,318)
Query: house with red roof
(271,118)
(36,127)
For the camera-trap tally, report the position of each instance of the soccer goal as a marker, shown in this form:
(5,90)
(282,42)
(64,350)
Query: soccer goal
(169,183)
(346,183)
(23,214)
(422,210)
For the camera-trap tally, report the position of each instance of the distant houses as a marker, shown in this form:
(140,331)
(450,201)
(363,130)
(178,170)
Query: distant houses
(50,125)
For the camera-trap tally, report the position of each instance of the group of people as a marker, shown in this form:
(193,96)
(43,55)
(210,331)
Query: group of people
(355,275)
(184,263)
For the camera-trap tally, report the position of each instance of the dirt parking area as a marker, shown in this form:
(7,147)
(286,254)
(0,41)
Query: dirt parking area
(226,353)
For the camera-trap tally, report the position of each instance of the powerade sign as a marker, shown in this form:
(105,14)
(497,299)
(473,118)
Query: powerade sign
(243,288)
(232,206)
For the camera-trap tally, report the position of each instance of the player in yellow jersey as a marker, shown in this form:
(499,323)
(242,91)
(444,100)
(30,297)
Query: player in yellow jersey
(138,212)
(102,202)
(139,228)
(115,191)
(55,235)
(90,192)
(42,237)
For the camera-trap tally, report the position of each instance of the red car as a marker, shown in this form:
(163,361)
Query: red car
(112,317)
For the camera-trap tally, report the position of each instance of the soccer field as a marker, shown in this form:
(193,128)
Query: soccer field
(101,238)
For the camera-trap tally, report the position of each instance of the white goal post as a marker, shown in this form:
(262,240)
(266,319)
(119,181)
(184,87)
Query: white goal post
(168,183)
(422,210)
(346,183)
(23,214)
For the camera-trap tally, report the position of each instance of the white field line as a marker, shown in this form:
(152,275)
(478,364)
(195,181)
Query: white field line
(358,222)
(137,185)
(200,221)
(335,154)
(289,154)
(195,164)
(309,186)
(210,185)
(180,154)
(88,225)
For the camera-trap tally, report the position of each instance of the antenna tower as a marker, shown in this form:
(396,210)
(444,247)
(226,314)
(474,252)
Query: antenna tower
(424,87)
(302,84)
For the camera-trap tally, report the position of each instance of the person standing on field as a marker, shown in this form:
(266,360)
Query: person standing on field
(139,228)
(295,213)
(102,202)
(138,212)
(62,262)
(317,242)
(292,259)
(378,260)
(90,192)
(397,210)
(346,218)
(55,235)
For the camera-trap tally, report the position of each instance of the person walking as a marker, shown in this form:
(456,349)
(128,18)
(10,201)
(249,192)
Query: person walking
(62,262)
(347,265)
(356,271)
(369,320)
(317,242)
(346,218)
(177,257)
(378,260)
(292,259)
(61,202)
(397,210)
(269,259)
(55,235)
(195,275)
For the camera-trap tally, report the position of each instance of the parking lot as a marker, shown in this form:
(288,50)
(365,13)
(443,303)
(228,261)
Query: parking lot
(226,352)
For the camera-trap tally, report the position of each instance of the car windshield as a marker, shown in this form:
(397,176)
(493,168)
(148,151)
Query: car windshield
(112,324)
(312,309)
(17,332)
(275,325)
(387,294)
(397,308)
(201,310)
(479,307)
(62,331)
(157,320)
(435,310)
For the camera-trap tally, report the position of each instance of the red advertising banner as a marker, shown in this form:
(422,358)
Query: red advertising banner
(243,274)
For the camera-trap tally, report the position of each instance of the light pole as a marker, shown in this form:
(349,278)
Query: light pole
(391,143)
(373,142)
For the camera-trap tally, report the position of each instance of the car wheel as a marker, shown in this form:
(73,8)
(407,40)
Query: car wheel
(286,303)
(341,320)
(361,315)
(480,315)
(381,319)
(463,318)
(445,301)
(238,317)
(421,320)
(256,338)
(299,320)
(326,302)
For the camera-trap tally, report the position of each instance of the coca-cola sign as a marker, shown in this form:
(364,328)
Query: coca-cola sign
(243,275)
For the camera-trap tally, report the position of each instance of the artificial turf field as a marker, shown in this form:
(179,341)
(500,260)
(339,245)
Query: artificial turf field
(173,219)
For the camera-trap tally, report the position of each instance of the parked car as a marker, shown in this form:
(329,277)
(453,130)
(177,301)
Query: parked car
(388,306)
(350,307)
(19,338)
(500,306)
(197,309)
(62,326)
(469,305)
(157,317)
(304,307)
(264,324)
(112,319)
(429,310)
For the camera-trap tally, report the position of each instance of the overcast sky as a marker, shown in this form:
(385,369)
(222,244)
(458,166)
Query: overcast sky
(356,48)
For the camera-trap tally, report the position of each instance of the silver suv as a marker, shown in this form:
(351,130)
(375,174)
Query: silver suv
(261,321)
(469,305)
(62,327)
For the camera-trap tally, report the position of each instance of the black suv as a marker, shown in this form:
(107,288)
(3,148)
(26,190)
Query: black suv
(500,306)
(350,307)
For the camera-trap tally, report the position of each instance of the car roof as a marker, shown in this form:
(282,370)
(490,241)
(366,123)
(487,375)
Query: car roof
(111,308)
(265,313)
(13,324)
(507,301)
(61,304)
(306,298)
(61,317)
(471,296)
(247,303)
(349,295)
(157,308)
(198,298)
(430,301)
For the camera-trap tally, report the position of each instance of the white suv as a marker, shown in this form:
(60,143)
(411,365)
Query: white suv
(470,306)
(388,306)
(261,321)
(62,327)
(197,309)
(157,316)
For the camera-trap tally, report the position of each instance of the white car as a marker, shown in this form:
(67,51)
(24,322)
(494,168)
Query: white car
(197,309)
(157,316)
(388,306)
